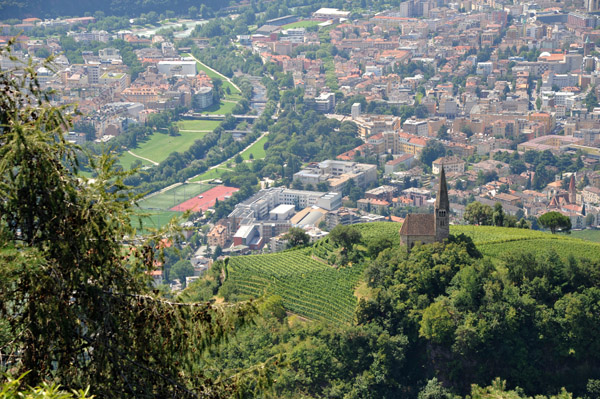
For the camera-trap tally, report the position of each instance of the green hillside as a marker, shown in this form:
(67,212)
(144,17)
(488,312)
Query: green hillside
(308,287)
(313,289)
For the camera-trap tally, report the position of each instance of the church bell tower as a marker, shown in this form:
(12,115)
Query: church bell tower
(442,210)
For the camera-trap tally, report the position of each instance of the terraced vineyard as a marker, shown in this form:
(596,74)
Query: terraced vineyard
(313,289)
(308,287)
(497,241)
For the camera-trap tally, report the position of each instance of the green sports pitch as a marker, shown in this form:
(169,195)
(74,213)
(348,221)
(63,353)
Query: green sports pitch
(168,199)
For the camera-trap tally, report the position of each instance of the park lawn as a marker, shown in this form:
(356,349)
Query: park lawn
(257,150)
(588,235)
(212,74)
(126,160)
(223,108)
(160,145)
(197,125)
(175,196)
(210,174)
(301,24)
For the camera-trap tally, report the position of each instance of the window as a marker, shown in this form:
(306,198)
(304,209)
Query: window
(442,213)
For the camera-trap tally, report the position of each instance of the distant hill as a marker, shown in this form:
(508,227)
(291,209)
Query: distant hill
(130,8)
(315,290)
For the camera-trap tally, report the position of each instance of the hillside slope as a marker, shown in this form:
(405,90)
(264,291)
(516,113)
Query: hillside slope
(315,290)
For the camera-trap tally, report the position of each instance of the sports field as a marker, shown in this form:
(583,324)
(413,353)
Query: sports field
(206,200)
(174,196)
(301,24)
(153,219)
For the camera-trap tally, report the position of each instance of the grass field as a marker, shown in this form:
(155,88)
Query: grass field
(160,145)
(588,235)
(210,174)
(126,160)
(257,150)
(175,196)
(154,219)
(197,125)
(301,24)
(211,74)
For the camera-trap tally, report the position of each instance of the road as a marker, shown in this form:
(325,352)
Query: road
(215,71)
(227,160)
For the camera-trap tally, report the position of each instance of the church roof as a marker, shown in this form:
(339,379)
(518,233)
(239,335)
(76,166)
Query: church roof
(418,224)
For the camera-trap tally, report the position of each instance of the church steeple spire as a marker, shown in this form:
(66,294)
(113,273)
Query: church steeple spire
(572,190)
(442,210)
(442,202)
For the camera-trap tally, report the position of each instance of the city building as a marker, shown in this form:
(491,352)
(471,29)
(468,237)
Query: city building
(337,174)
(177,68)
(203,97)
(449,164)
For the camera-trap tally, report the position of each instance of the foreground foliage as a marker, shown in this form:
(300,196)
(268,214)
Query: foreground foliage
(75,307)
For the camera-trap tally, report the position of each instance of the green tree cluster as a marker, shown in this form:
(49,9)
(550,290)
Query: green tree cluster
(76,308)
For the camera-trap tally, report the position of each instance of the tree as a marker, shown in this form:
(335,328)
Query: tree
(345,237)
(467,130)
(173,130)
(589,219)
(478,213)
(432,151)
(442,133)
(555,221)
(538,103)
(498,215)
(88,129)
(296,237)
(218,252)
(182,269)
(75,294)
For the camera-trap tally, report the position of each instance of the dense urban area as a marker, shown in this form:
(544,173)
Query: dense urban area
(296,152)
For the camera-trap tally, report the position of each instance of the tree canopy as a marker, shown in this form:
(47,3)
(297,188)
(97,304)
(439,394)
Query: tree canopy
(75,301)
(556,222)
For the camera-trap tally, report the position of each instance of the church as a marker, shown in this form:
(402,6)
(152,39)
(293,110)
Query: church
(428,228)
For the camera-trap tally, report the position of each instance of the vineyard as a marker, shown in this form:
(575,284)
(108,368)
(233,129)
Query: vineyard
(308,287)
(496,241)
(313,289)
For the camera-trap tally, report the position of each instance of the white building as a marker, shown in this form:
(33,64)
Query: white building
(325,102)
(355,110)
(177,68)
(331,13)
(204,97)
(450,164)
(337,174)
(295,35)
(484,68)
